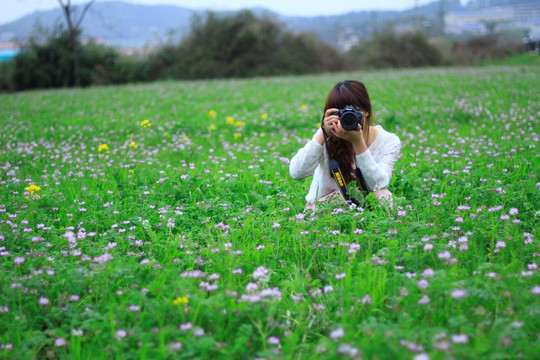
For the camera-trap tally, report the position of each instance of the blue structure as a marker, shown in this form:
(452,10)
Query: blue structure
(6,54)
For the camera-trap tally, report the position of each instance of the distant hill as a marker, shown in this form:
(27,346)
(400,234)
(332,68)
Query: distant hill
(125,24)
(118,23)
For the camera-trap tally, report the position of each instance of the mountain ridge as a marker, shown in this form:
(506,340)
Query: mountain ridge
(128,25)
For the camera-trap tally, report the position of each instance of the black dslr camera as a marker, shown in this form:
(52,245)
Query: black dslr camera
(350,117)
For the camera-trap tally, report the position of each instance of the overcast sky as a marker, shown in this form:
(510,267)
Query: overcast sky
(13,9)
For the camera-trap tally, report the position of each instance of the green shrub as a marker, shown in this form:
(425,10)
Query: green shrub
(48,63)
(44,65)
(96,63)
(483,48)
(242,45)
(7,70)
(390,50)
(129,69)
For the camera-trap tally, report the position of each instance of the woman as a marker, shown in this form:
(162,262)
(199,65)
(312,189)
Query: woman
(370,148)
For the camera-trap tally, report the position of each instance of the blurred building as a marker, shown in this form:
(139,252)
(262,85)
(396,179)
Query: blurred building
(477,4)
(480,21)
(8,50)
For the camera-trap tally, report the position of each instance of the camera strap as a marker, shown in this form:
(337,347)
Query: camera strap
(338,175)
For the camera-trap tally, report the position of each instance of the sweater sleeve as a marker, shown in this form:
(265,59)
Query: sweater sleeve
(378,171)
(304,163)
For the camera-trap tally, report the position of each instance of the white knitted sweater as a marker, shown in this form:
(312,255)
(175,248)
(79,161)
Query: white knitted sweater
(376,164)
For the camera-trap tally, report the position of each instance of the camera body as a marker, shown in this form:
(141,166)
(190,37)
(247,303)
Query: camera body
(350,117)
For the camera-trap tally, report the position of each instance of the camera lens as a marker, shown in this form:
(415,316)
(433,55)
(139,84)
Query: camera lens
(349,121)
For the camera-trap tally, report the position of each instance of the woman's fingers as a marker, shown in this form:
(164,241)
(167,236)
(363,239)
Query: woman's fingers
(330,122)
(341,131)
(349,135)
(329,112)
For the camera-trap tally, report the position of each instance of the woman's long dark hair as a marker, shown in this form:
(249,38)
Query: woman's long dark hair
(348,92)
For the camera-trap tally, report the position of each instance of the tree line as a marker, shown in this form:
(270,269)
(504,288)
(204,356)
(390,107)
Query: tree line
(218,45)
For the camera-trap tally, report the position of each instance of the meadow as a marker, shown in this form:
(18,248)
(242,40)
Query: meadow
(159,221)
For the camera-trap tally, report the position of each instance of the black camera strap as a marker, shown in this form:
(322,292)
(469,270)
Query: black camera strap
(338,175)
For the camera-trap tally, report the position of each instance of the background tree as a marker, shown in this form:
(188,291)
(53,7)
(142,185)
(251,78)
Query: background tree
(74,31)
(223,45)
(387,49)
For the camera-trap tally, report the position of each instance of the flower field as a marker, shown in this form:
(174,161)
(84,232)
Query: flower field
(160,221)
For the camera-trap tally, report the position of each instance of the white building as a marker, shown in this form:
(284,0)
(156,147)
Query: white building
(476,21)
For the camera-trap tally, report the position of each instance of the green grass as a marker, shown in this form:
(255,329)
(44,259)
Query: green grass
(201,209)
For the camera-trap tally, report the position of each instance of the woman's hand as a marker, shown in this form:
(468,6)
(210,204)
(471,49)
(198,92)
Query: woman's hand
(332,126)
(355,137)
(330,121)
(328,124)
(352,136)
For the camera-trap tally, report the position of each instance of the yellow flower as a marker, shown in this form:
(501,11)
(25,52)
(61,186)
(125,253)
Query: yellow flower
(133,145)
(230,121)
(237,135)
(103,147)
(212,127)
(146,123)
(212,113)
(303,107)
(32,188)
(181,300)
(264,116)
